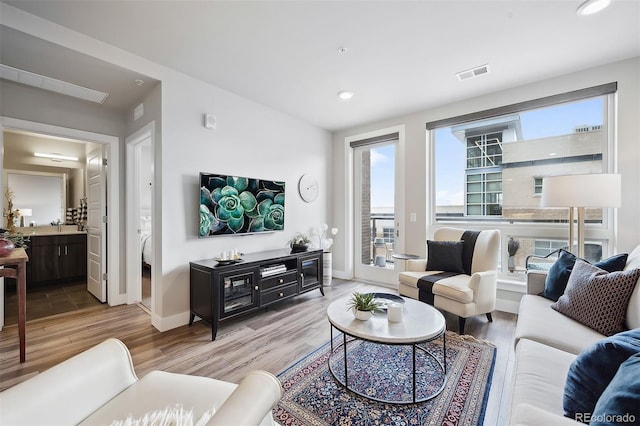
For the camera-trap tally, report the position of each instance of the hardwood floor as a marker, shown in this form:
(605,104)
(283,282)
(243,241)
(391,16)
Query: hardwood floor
(44,300)
(271,340)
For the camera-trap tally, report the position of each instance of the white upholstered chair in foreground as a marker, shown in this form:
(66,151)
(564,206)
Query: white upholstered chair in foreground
(99,386)
(463,274)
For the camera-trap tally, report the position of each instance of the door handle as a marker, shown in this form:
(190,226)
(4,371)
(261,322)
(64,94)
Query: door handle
(65,250)
(58,251)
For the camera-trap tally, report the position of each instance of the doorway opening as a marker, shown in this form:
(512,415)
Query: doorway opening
(86,140)
(140,218)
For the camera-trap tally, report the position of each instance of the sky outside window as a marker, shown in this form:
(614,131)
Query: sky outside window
(382,177)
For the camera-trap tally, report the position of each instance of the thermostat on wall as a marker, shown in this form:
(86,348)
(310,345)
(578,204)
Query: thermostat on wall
(209,121)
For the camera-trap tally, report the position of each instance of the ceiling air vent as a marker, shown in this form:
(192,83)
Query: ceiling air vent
(51,84)
(473,72)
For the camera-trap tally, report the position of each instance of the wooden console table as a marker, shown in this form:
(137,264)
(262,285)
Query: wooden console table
(18,257)
(220,292)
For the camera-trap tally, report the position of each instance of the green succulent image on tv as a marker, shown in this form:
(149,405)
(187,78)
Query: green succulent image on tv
(239,205)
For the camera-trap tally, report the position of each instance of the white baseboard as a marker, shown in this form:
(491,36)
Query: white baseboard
(507,306)
(119,299)
(341,275)
(168,323)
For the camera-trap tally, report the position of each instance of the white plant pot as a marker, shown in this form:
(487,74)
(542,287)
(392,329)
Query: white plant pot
(327,260)
(362,315)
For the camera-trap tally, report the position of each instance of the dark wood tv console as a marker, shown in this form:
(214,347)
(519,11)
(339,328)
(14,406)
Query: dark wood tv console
(220,292)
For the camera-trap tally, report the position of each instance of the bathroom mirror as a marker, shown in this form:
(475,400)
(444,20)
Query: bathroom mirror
(41,194)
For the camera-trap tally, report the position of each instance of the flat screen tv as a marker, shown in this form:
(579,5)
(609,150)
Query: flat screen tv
(232,205)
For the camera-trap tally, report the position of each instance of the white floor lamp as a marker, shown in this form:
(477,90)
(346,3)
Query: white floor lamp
(596,190)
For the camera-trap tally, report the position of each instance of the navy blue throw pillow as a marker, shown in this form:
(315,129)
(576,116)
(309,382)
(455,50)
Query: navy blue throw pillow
(614,263)
(558,276)
(445,256)
(559,273)
(592,371)
(620,402)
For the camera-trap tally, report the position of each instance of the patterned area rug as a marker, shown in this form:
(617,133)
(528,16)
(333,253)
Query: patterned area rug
(312,396)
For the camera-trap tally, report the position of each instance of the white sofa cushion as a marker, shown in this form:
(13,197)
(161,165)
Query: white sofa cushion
(160,389)
(539,377)
(538,322)
(528,415)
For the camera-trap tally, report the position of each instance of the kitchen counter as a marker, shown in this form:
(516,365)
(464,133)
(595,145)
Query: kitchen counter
(49,230)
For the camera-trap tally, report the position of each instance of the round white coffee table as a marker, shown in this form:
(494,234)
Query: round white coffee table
(421,323)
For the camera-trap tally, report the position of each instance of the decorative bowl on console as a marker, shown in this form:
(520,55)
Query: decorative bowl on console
(296,248)
(299,243)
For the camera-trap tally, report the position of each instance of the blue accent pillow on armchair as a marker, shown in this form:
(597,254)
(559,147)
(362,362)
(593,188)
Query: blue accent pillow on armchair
(620,401)
(590,373)
(559,273)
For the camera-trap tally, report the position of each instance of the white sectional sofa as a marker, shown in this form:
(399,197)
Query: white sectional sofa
(99,386)
(546,343)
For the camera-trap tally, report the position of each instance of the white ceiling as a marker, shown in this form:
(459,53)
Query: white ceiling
(26,52)
(401,56)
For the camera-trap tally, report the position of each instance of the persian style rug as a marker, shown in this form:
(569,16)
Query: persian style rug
(312,396)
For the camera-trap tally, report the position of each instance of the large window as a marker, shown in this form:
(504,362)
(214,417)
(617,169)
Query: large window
(489,167)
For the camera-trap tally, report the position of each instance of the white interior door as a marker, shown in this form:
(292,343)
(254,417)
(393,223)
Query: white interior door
(376,234)
(96,226)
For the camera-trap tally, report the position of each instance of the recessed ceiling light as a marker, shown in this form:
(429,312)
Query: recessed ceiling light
(345,95)
(342,50)
(590,7)
(55,156)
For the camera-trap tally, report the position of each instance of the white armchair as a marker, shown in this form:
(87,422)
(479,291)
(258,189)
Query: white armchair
(99,386)
(466,294)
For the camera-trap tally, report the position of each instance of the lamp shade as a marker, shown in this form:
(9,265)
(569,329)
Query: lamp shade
(591,190)
(26,212)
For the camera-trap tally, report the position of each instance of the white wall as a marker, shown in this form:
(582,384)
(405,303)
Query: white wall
(251,140)
(626,73)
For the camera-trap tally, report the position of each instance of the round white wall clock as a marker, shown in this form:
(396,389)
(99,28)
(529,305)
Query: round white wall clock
(308,188)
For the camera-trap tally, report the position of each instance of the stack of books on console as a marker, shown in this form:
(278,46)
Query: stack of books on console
(267,271)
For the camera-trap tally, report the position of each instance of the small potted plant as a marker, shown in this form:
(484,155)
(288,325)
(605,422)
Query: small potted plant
(363,305)
(299,243)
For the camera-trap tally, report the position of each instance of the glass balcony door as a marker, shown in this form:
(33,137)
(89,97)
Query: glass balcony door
(375,231)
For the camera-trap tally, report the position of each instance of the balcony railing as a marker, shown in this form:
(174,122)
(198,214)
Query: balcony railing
(381,240)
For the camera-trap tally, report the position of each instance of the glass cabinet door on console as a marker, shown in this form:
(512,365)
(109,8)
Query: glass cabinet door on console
(240,291)
(310,272)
